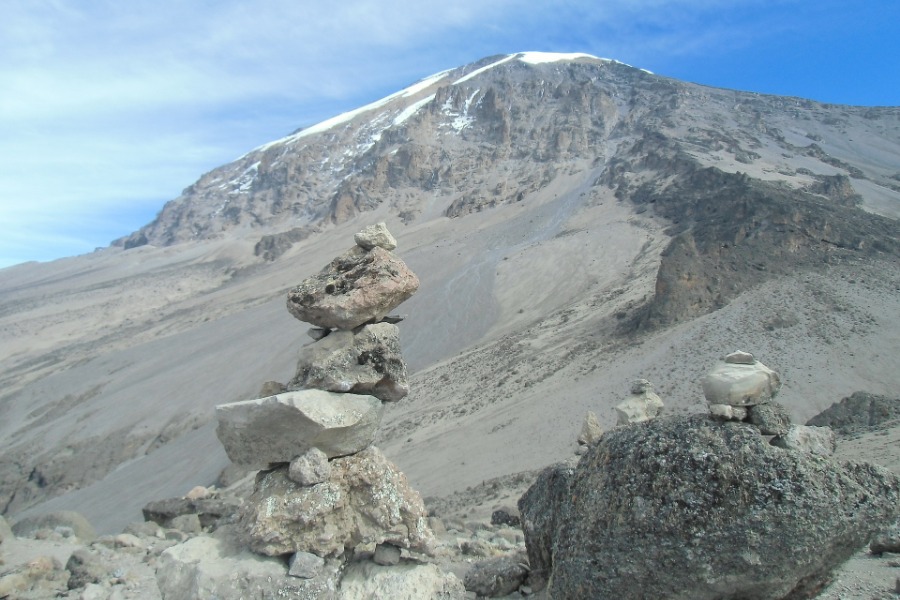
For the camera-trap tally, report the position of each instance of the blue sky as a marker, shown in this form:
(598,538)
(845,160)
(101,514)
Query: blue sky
(108,109)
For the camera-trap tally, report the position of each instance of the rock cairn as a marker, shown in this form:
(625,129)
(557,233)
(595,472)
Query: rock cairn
(642,405)
(324,488)
(743,389)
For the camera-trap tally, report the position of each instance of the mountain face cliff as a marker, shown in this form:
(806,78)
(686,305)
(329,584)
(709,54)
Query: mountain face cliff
(752,185)
(575,222)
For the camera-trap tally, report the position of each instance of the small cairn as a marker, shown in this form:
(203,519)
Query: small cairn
(642,405)
(324,488)
(743,389)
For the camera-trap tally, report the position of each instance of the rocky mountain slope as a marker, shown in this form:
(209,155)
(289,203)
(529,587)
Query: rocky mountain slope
(575,223)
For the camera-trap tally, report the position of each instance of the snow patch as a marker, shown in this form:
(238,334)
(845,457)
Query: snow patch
(412,109)
(537,58)
(477,72)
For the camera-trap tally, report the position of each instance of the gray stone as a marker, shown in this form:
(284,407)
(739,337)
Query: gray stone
(309,468)
(498,576)
(305,565)
(376,235)
(590,429)
(364,580)
(888,540)
(542,507)
(728,412)
(366,499)
(771,418)
(366,360)
(641,386)
(317,333)
(506,515)
(83,530)
(739,384)
(270,388)
(217,567)
(5,530)
(812,440)
(355,288)
(740,358)
(208,510)
(685,507)
(386,555)
(258,433)
(87,566)
(187,523)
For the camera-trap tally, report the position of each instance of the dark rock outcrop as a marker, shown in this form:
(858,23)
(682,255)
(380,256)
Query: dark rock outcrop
(858,412)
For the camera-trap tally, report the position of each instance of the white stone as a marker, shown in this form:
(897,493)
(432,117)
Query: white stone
(740,357)
(638,408)
(277,429)
(804,438)
(728,412)
(375,235)
(590,429)
(740,384)
(409,581)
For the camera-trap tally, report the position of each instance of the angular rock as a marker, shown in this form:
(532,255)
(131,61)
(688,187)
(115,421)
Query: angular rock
(499,576)
(366,360)
(187,523)
(277,429)
(728,412)
(812,440)
(770,417)
(208,510)
(887,540)
(310,468)
(217,567)
(270,388)
(740,384)
(641,406)
(87,566)
(366,499)
(542,507)
(740,358)
(685,507)
(590,429)
(305,565)
(357,287)
(506,515)
(365,580)
(376,235)
(386,555)
(83,530)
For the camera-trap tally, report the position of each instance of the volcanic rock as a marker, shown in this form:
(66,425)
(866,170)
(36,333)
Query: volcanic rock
(376,235)
(365,580)
(498,576)
(887,540)
(357,287)
(277,429)
(386,555)
(642,405)
(803,438)
(305,565)
(208,510)
(310,468)
(740,384)
(858,412)
(366,499)
(686,507)
(366,360)
(770,417)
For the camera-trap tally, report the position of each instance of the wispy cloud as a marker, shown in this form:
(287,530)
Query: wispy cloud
(111,108)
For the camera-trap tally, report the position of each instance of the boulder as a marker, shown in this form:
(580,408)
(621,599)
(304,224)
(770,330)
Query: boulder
(357,287)
(888,540)
(498,576)
(305,565)
(506,515)
(376,235)
(803,438)
(771,418)
(208,510)
(858,412)
(386,555)
(366,499)
(689,507)
(364,580)
(727,412)
(366,360)
(642,405)
(739,384)
(277,429)
(82,528)
(740,358)
(590,429)
(542,507)
(217,567)
(310,468)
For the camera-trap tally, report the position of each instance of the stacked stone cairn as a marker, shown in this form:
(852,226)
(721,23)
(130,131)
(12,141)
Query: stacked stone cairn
(743,389)
(324,489)
(642,405)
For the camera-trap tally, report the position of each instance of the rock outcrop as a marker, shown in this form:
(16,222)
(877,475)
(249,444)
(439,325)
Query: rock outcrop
(691,507)
(858,412)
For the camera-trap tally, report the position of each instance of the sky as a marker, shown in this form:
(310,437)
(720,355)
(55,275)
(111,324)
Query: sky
(108,109)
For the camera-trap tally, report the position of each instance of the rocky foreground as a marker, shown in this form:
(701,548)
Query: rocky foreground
(735,503)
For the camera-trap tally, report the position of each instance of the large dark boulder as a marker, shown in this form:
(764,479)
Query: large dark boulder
(688,507)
